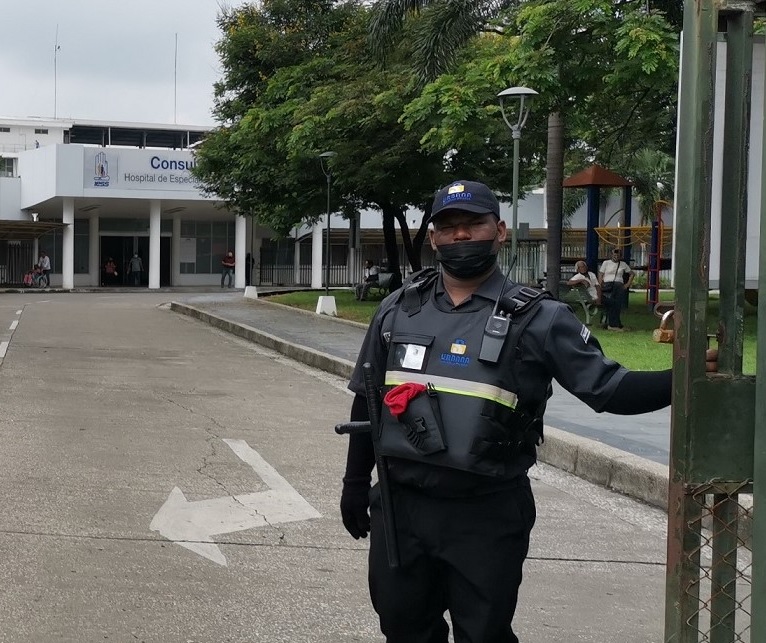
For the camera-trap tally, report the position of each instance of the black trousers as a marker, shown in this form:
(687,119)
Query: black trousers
(462,555)
(614,301)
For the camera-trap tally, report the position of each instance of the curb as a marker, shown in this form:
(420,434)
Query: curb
(606,466)
(309,356)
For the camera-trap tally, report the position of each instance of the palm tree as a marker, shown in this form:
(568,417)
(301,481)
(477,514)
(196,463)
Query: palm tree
(652,174)
(443,28)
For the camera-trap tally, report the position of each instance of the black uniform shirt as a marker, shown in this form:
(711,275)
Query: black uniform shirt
(554,345)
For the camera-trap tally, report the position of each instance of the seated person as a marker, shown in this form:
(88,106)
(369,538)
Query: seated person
(37,275)
(371,272)
(583,278)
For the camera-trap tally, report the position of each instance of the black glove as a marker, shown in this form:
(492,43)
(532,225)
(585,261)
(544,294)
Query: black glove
(354,503)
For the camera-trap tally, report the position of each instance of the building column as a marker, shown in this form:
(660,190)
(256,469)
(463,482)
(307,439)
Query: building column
(94,263)
(297,262)
(316,257)
(240,250)
(175,252)
(67,246)
(155,207)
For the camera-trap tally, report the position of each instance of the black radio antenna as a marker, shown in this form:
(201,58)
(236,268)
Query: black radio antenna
(502,286)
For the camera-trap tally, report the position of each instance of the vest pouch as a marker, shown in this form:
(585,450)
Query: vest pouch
(514,433)
(422,423)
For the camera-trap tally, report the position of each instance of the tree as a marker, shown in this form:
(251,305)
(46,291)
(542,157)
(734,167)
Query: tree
(272,58)
(652,174)
(587,58)
(293,88)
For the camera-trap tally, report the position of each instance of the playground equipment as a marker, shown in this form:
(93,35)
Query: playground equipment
(654,237)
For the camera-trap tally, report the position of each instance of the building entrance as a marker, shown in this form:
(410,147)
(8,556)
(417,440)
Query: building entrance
(121,249)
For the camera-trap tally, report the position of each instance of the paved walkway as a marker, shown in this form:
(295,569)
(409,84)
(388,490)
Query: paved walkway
(595,446)
(157,429)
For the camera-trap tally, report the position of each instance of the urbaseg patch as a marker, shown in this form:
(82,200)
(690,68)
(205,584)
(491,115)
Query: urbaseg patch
(585,333)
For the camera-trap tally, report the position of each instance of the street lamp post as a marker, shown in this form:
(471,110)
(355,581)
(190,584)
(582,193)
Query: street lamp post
(524,96)
(324,161)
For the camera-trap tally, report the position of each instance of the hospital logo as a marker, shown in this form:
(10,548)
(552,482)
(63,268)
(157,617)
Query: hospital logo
(101,171)
(456,355)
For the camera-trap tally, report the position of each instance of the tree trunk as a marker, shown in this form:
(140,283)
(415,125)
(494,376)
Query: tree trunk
(413,247)
(554,199)
(392,249)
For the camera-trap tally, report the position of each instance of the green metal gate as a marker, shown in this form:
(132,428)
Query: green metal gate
(716,577)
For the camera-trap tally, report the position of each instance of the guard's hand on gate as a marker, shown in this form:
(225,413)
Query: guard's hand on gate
(354,505)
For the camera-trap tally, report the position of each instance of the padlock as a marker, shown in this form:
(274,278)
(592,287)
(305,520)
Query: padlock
(663,334)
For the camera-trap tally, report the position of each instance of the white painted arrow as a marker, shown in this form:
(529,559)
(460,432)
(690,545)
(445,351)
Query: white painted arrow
(193,524)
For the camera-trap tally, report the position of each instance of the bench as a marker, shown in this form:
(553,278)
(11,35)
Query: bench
(382,287)
(577,295)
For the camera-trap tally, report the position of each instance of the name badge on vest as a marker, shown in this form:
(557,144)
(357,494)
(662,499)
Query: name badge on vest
(412,356)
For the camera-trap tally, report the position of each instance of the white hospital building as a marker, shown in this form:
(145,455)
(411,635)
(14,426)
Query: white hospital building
(85,191)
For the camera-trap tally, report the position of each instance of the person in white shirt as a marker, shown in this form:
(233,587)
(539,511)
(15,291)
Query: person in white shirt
(371,273)
(583,278)
(44,261)
(611,278)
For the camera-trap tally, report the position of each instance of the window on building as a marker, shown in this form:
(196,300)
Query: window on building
(40,131)
(5,129)
(52,243)
(7,167)
(204,244)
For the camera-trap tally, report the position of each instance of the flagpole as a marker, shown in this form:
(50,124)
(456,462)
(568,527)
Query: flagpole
(55,72)
(175,82)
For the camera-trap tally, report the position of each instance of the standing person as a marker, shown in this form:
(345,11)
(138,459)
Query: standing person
(228,264)
(462,501)
(614,288)
(110,272)
(370,277)
(135,269)
(44,261)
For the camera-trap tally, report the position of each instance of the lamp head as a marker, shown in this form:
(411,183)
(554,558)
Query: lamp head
(525,96)
(324,162)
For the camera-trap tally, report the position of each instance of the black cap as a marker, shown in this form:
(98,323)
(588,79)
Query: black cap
(466,196)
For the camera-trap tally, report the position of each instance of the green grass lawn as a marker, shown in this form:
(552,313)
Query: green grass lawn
(633,348)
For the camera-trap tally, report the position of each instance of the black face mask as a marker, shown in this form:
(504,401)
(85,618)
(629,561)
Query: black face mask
(467,259)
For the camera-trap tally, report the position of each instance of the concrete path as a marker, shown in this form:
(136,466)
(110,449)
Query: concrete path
(117,411)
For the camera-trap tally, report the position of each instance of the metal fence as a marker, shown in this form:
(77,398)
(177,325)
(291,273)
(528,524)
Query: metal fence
(16,259)
(277,266)
(719,562)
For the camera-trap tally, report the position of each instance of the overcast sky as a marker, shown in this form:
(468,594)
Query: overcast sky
(115,62)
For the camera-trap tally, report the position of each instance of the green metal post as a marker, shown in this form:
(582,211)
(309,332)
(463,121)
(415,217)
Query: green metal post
(736,139)
(758,589)
(739,67)
(716,448)
(692,224)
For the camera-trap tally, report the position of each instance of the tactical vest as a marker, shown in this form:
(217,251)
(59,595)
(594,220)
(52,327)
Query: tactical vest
(469,417)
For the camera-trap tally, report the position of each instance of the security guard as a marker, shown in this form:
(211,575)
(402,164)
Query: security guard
(465,359)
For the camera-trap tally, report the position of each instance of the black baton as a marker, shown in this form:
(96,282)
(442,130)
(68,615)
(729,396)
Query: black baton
(373,426)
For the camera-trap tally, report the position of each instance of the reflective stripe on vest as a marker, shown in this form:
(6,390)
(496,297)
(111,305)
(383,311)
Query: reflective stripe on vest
(455,386)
